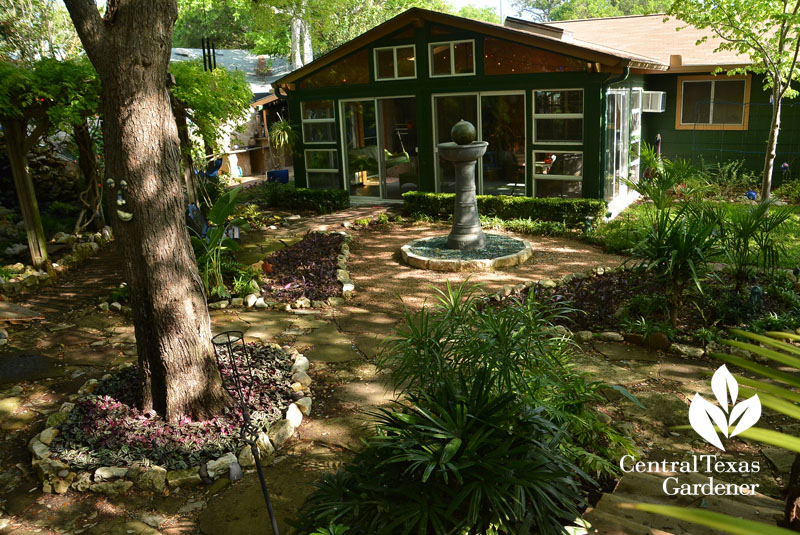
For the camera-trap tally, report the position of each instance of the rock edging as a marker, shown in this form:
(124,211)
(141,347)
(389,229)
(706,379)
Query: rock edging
(28,280)
(58,477)
(455,265)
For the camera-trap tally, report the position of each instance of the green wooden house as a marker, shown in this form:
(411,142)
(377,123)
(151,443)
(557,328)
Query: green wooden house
(564,106)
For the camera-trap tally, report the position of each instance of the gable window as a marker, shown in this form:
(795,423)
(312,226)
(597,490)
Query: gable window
(558,116)
(395,63)
(319,124)
(452,58)
(713,103)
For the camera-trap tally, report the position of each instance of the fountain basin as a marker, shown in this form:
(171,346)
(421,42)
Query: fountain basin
(499,252)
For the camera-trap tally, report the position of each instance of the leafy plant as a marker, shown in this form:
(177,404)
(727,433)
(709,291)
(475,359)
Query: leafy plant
(749,239)
(283,137)
(515,342)
(332,529)
(460,457)
(215,245)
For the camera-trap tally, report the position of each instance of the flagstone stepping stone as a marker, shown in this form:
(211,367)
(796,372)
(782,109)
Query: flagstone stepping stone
(614,351)
(28,367)
(361,320)
(342,432)
(329,345)
(781,459)
(369,344)
(366,394)
(68,338)
(601,369)
(94,356)
(305,322)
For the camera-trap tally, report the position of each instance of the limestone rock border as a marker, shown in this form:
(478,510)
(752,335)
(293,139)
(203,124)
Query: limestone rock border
(58,477)
(342,275)
(480,264)
(29,280)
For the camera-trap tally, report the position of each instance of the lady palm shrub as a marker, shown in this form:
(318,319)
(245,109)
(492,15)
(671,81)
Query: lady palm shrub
(517,345)
(460,457)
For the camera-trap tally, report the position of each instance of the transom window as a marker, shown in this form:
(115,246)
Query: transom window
(558,116)
(713,103)
(395,63)
(319,124)
(452,58)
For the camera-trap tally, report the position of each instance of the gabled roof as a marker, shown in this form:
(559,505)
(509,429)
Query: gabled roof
(588,51)
(657,36)
(241,60)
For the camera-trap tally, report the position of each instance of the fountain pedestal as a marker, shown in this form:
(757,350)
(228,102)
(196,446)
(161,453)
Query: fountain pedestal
(466,233)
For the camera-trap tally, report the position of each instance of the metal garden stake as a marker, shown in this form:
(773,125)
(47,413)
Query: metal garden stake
(228,346)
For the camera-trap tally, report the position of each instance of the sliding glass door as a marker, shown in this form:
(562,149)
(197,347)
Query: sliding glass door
(398,120)
(361,155)
(500,120)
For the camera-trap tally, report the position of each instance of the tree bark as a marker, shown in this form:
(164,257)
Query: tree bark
(772,145)
(17,143)
(179,110)
(297,26)
(130,48)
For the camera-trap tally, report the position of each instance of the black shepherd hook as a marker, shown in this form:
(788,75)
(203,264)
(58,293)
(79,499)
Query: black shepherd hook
(227,346)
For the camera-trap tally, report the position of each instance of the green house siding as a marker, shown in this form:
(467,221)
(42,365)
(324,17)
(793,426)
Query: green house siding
(424,87)
(724,145)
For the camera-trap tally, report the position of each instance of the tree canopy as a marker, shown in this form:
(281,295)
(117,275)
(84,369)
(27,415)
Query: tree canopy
(546,10)
(31,30)
(212,99)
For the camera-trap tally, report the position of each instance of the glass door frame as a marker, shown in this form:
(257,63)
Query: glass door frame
(378,134)
(479,128)
(622,137)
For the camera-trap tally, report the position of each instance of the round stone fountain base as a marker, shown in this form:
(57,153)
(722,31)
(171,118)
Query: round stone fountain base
(500,252)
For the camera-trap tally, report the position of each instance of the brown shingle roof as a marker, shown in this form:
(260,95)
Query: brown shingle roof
(652,36)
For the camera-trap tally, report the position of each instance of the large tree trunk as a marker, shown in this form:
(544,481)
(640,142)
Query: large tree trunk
(17,142)
(296,56)
(130,49)
(772,145)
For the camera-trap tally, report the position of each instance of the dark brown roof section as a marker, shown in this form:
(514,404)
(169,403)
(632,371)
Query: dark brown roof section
(547,38)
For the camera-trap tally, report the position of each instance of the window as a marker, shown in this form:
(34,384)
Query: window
(505,57)
(395,63)
(558,116)
(713,103)
(453,58)
(322,168)
(557,173)
(319,124)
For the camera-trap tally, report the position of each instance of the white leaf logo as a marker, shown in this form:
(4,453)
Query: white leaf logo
(704,416)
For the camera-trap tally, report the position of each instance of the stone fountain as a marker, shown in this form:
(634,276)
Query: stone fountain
(464,152)
(466,248)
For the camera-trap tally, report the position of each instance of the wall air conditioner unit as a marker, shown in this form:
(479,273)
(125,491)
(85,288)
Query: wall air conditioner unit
(654,101)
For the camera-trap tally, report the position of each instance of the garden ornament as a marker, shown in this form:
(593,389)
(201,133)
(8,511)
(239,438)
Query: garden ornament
(752,195)
(756,298)
(464,152)
(229,345)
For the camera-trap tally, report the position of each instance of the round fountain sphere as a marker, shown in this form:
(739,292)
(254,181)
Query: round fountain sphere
(463,132)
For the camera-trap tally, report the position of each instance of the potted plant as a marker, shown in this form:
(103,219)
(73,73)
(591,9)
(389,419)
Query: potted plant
(282,137)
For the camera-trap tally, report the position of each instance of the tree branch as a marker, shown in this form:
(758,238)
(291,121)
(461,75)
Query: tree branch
(33,137)
(89,25)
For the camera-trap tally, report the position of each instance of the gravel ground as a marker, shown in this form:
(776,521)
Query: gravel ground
(381,278)
(497,245)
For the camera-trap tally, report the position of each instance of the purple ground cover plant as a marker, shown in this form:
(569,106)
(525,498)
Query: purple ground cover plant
(305,269)
(107,429)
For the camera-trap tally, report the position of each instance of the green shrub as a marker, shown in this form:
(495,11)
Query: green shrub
(528,226)
(517,344)
(321,201)
(789,191)
(62,208)
(572,212)
(382,219)
(459,457)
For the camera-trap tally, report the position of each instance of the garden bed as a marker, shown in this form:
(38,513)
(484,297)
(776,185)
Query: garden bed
(633,301)
(102,442)
(310,271)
